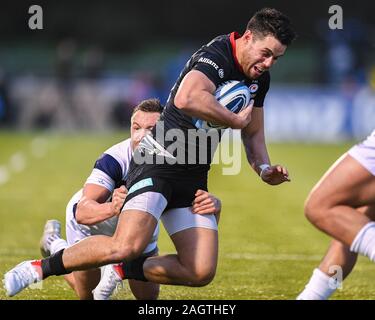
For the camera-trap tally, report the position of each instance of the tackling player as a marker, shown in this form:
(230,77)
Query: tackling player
(94,209)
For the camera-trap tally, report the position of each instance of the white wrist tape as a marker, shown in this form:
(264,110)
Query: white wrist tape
(263,167)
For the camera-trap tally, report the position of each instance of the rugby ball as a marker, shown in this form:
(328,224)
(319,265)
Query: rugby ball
(233,95)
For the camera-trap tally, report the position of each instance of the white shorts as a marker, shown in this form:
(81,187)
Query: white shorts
(364,153)
(174,220)
(150,201)
(76,232)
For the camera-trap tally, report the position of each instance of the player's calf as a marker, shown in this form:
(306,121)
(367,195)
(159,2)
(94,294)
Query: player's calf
(144,290)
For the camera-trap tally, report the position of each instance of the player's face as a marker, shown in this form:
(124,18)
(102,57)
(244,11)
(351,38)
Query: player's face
(141,124)
(259,54)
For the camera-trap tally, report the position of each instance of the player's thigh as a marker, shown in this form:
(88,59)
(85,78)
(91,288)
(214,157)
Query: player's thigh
(197,249)
(195,238)
(138,220)
(85,282)
(347,182)
(134,231)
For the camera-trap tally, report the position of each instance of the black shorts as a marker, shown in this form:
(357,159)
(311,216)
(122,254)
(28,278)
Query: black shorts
(178,188)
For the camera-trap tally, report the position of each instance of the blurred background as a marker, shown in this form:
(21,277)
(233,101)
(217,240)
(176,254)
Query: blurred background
(94,60)
(67,92)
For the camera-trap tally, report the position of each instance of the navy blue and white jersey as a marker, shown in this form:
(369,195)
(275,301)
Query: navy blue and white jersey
(112,167)
(109,171)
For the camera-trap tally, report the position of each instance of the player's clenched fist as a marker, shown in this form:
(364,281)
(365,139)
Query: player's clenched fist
(274,175)
(118,198)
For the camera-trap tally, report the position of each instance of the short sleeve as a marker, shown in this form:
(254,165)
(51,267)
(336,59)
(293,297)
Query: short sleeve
(213,66)
(110,166)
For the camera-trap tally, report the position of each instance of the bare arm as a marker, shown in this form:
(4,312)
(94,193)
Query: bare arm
(254,140)
(256,150)
(195,97)
(93,208)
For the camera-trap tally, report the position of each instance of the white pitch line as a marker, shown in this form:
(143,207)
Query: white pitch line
(16,252)
(4,175)
(234,255)
(39,147)
(273,257)
(17,162)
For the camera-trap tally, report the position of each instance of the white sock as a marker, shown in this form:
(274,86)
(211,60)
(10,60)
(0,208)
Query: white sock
(58,244)
(364,241)
(318,288)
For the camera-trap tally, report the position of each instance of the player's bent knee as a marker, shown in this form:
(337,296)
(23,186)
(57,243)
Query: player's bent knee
(316,211)
(201,278)
(124,252)
(310,211)
(313,214)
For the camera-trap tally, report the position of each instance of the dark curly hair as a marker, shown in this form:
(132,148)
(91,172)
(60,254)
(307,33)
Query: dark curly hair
(269,21)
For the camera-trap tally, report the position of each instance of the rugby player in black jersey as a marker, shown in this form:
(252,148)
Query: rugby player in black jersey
(160,187)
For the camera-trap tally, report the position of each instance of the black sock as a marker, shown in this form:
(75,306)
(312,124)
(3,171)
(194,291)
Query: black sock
(53,265)
(134,269)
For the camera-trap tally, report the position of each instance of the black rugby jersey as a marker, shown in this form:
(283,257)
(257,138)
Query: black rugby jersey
(217,60)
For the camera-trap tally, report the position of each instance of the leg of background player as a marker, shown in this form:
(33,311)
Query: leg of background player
(319,286)
(338,254)
(331,205)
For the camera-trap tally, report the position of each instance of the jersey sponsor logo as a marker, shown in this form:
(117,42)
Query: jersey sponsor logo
(209,61)
(253,88)
(221,73)
(141,184)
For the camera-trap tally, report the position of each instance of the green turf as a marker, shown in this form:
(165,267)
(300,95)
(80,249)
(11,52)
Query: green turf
(267,248)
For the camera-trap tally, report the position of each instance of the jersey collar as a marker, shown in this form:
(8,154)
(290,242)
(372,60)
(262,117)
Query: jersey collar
(233,36)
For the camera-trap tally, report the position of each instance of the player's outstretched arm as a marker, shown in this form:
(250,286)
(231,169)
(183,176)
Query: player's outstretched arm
(256,151)
(93,208)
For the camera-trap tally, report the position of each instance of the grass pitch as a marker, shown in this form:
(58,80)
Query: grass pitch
(267,248)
